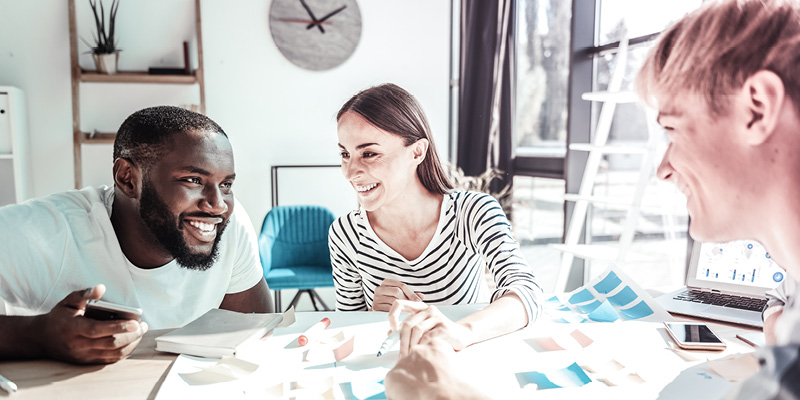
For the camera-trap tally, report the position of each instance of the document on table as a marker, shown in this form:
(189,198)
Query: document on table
(611,296)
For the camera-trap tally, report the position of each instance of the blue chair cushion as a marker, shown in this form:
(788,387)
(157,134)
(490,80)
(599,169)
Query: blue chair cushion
(300,277)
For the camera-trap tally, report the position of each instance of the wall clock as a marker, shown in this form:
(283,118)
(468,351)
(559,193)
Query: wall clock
(315,34)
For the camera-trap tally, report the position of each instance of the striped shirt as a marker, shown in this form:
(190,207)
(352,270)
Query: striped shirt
(472,233)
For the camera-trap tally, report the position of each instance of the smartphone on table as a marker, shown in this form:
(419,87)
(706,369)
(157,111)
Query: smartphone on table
(694,336)
(104,310)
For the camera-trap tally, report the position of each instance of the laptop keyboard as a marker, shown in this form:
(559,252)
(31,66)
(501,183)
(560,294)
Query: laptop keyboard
(722,299)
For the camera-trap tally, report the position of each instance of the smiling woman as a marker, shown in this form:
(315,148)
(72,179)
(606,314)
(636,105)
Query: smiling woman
(415,242)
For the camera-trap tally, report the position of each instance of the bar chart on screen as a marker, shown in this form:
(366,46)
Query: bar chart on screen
(739,262)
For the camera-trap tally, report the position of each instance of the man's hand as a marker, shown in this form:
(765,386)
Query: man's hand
(427,373)
(391,290)
(769,327)
(65,334)
(425,324)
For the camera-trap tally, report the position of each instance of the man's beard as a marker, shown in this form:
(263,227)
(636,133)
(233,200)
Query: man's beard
(168,230)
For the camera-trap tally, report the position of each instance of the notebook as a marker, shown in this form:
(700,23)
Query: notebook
(217,333)
(726,282)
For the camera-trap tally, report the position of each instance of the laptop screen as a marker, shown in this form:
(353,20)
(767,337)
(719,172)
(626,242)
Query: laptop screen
(742,263)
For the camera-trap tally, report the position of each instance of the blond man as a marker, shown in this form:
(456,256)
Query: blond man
(726,84)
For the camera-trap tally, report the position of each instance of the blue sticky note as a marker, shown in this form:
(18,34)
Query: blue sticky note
(572,376)
(581,297)
(363,390)
(572,317)
(608,284)
(604,313)
(625,296)
(587,308)
(640,310)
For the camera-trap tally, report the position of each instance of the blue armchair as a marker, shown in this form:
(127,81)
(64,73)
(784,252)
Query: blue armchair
(293,245)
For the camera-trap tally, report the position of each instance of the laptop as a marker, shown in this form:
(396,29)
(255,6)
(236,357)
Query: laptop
(726,282)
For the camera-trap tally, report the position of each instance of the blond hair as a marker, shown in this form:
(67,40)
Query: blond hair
(713,50)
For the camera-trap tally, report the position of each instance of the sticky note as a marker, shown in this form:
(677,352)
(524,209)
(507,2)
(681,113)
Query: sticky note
(608,284)
(604,313)
(581,338)
(572,376)
(587,308)
(581,297)
(625,296)
(546,343)
(640,310)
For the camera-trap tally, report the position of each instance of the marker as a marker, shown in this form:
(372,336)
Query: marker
(390,341)
(7,385)
(309,334)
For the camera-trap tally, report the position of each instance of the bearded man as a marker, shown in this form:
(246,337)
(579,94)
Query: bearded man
(168,238)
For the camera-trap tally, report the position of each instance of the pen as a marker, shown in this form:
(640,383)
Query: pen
(390,341)
(309,334)
(7,385)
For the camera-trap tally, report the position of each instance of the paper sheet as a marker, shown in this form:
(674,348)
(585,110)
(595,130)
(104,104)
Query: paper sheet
(571,376)
(227,369)
(735,368)
(332,348)
(609,297)
(288,318)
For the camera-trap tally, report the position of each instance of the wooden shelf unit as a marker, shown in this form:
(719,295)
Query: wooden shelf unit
(79,75)
(136,77)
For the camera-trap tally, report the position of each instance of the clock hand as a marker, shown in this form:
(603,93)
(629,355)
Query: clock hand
(302,21)
(311,14)
(321,20)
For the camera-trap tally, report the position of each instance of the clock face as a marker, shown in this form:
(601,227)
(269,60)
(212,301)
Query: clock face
(315,34)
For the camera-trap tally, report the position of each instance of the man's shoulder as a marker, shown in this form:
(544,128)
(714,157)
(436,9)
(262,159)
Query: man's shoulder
(68,202)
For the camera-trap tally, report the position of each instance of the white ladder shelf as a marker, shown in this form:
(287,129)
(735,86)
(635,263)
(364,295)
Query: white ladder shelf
(597,149)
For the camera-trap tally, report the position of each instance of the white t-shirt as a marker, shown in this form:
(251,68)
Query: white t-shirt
(65,242)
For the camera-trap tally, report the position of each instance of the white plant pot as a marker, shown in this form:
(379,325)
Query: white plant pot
(106,63)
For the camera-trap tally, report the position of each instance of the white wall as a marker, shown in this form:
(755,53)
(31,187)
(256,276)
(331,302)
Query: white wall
(274,112)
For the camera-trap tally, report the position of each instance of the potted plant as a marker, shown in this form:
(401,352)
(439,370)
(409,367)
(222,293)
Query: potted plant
(105,51)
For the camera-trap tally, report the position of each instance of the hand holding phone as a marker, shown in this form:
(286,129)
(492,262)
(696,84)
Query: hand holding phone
(694,336)
(104,310)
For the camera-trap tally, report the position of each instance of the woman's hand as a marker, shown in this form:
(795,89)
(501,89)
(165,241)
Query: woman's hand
(425,324)
(391,290)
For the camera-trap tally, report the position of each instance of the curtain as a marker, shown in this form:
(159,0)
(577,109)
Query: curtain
(485,111)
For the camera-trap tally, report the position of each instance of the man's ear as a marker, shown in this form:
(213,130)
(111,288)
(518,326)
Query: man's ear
(764,95)
(420,150)
(127,178)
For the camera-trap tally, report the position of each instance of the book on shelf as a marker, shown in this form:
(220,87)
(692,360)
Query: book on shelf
(217,333)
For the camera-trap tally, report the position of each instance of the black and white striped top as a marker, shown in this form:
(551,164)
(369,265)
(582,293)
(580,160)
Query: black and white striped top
(473,232)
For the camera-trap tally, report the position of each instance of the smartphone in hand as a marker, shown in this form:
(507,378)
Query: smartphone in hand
(104,310)
(694,336)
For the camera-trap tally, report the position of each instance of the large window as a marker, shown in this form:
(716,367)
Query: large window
(542,77)
(550,64)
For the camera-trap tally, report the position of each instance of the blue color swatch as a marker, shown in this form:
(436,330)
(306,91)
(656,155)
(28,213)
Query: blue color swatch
(625,296)
(608,284)
(587,308)
(581,297)
(640,310)
(363,390)
(604,313)
(553,300)
(572,376)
